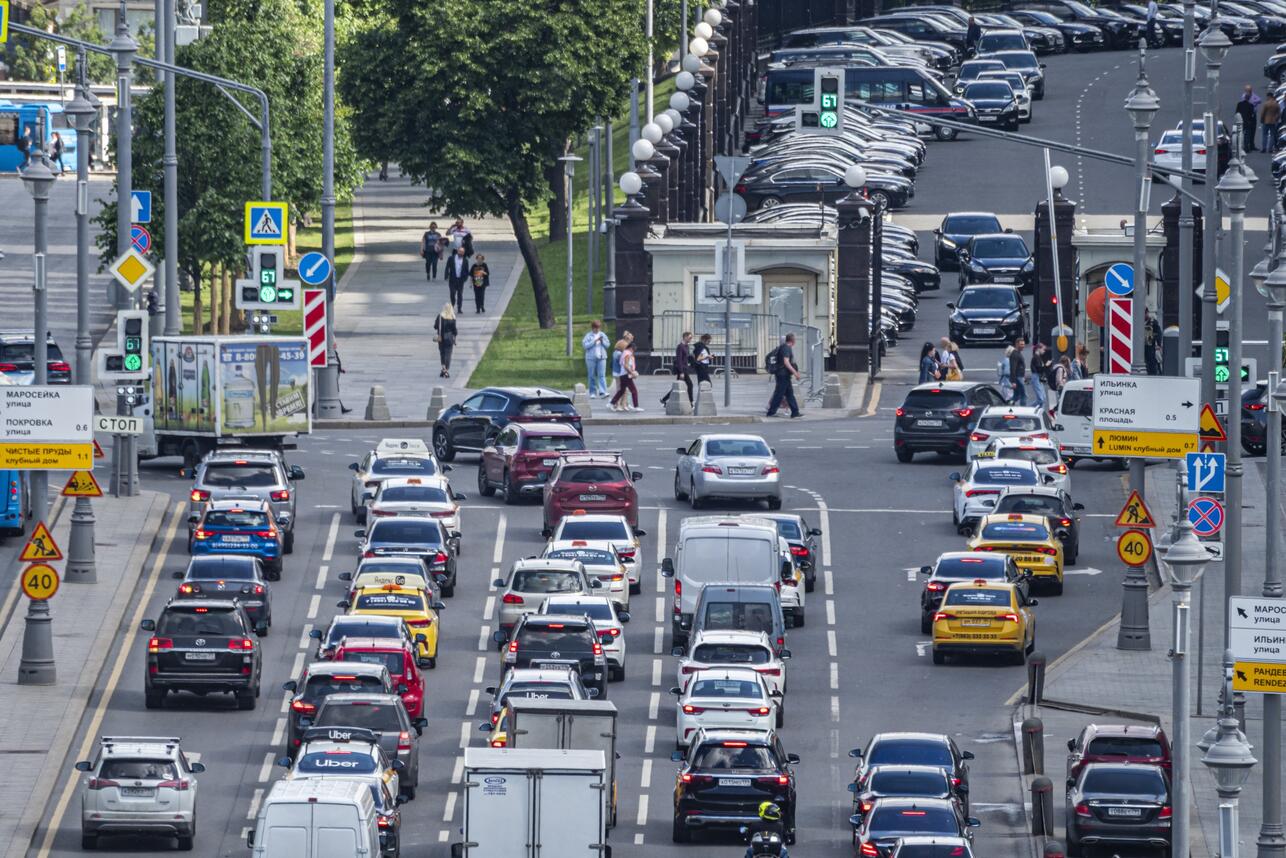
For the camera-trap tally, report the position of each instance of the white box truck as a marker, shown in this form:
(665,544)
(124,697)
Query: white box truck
(533,803)
(316,818)
(574,725)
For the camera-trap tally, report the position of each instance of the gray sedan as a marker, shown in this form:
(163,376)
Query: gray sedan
(727,466)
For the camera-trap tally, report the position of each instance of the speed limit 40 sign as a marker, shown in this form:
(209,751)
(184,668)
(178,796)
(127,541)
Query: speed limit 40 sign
(1134,548)
(39,581)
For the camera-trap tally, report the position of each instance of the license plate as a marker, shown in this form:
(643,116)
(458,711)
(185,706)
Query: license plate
(199,656)
(1029,558)
(983,623)
(137,792)
(1125,811)
(234,537)
(984,118)
(1005,279)
(928,423)
(593,497)
(734,782)
(984,329)
(549,463)
(741,470)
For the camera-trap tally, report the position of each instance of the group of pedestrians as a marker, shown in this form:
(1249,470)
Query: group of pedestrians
(941,363)
(454,251)
(624,367)
(1040,381)
(1267,111)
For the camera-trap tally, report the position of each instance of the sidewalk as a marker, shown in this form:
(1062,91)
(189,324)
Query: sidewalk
(38,724)
(385,307)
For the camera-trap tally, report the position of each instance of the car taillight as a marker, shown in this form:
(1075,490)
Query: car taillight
(867,805)
(8,367)
(439,557)
(685,777)
(1255,406)
(935,586)
(1065,522)
(404,741)
(609,633)
(759,710)
(511,599)
(419,623)
(374,484)
(978,436)
(781,642)
(712,469)
(740,188)
(1009,618)
(1166,812)
(942,615)
(446,514)
(1083,809)
(258,589)
(771,469)
(1200,151)
(179,785)
(385,822)
(379,512)
(799,551)
(869,850)
(1158,151)
(513,646)
(963,412)
(241,644)
(955,782)
(1046,550)
(303,708)
(1060,468)
(975,492)
(158,644)
(769,671)
(200,534)
(199,496)
(59,366)
(689,709)
(95,783)
(900,411)
(1039,436)
(189,588)
(270,533)
(283,495)
(499,743)
(368,553)
(598,649)
(627,554)
(678,595)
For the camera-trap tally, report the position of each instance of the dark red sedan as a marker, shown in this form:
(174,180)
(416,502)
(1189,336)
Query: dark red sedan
(521,458)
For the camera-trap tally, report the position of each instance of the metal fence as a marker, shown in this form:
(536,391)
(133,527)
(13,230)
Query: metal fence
(752,336)
(809,353)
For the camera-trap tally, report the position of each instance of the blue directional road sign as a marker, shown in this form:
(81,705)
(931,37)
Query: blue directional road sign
(1206,515)
(140,206)
(265,223)
(1207,472)
(314,268)
(1120,279)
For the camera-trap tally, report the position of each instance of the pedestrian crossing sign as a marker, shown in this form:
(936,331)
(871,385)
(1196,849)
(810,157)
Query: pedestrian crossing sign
(266,223)
(40,546)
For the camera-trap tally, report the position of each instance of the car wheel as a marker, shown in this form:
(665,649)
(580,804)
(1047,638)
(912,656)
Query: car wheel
(288,544)
(431,663)
(484,486)
(939,657)
(1013,126)
(693,500)
(153,699)
(511,493)
(442,446)
(185,844)
(880,199)
(448,588)
(769,202)
(616,674)
(89,841)
(904,455)
(678,492)
(926,623)
(1019,657)
(680,834)
(810,584)
(360,514)
(1031,646)
(781,712)
(635,588)
(945,134)
(245,700)
(799,617)
(774,503)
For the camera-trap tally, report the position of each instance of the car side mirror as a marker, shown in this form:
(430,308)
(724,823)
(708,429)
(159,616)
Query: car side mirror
(250,839)
(197,768)
(1078,506)
(439,606)
(458,496)
(636,475)
(344,603)
(1071,782)
(623,616)
(284,762)
(852,788)
(595,584)
(353,466)
(966,755)
(676,651)
(855,820)
(667,568)
(490,689)
(499,582)
(485,727)
(421,638)
(1042,65)
(1033,602)
(676,690)
(315,634)
(546,532)
(963,789)
(194,517)
(1009,229)
(1058,427)
(784,655)
(499,637)
(190,473)
(360,534)
(681,451)
(1048,479)
(954,476)
(148,625)
(177,576)
(775,693)
(346,576)
(816,531)
(676,756)
(856,753)
(792,758)
(1071,745)
(937,232)
(447,468)
(398,766)
(420,723)
(84,766)
(926,570)
(951,305)
(640,532)
(973,821)
(296,472)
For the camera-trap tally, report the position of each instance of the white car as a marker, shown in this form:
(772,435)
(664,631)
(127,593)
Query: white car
(735,649)
(342,752)
(608,623)
(601,561)
(1042,452)
(1028,422)
(720,697)
(1022,93)
(138,785)
(595,529)
(533,580)
(792,588)
(976,490)
(431,496)
(392,457)
(1168,152)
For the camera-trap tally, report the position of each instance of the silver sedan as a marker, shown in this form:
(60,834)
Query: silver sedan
(727,466)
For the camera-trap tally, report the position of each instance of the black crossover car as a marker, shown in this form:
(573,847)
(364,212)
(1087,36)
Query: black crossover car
(938,417)
(955,230)
(474,423)
(998,258)
(991,313)
(995,103)
(725,776)
(1118,804)
(202,645)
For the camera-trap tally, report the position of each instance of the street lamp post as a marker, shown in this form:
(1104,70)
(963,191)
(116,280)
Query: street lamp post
(609,201)
(569,170)
(328,404)
(170,162)
(1186,221)
(1214,46)
(123,48)
(1229,758)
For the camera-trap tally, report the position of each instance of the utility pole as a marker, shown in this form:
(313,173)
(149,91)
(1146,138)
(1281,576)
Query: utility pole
(328,404)
(170,160)
(1214,45)
(1186,220)
(123,48)
(609,194)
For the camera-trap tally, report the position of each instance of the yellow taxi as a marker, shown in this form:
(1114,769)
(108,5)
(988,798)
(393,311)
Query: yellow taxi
(415,607)
(1026,538)
(984,617)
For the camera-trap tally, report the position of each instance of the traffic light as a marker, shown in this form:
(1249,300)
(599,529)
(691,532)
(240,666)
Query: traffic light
(267,288)
(129,361)
(826,114)
(829,103)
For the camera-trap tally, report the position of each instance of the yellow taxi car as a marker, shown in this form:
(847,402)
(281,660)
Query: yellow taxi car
(415,607)
(984,617)
(1027,538)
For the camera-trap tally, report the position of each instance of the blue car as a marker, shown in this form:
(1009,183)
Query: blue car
(239,526)
(14,503)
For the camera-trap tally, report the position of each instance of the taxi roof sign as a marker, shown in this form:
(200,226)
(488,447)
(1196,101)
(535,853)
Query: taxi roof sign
(401,445)
(1135,513)
(41,546)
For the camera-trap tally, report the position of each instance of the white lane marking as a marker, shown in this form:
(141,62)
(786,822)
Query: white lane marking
(464,733)
(911,572)
(266,769)
(322,571)
(653,705)
(638,838)
(313,605)
(254,803)
(857,446)
(484,638)
(657,634)
(278,733)
(831,648)
(656,672)
(660,535)
(649,743)
(489,609)
(830,612)
(872,510)
(824,520)
(331,536)
(304,640)
(922,647)
(245,832)
(449,813)
(444,836)
(834,676)
(473,703)
(298,667)
(491,580)
(809,447)
(642,817)
(660,608)
(830,581)
(498,554)
(457,772)
(646,780)
(834,708)
(478,668)
(285,703)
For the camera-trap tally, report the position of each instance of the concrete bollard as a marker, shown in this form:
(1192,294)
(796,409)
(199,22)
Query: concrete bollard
(1042,806)
(580,400)
(705,401)
(832,393)
(437,403)
(1035,677)
(1033,746)
(676,404)
(376,404)
(1054,849)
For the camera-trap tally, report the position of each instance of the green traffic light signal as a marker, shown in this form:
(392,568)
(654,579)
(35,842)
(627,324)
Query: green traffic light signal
(1222,374)
(268,294)
(828,119)
(133,362)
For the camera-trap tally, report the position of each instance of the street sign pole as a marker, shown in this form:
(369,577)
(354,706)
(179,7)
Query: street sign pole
(730,168)
(328,404)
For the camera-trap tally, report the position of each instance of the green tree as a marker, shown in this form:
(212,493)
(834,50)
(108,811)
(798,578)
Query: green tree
(478,101)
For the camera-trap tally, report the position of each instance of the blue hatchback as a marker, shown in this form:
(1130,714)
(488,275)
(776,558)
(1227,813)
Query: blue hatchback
(243,526)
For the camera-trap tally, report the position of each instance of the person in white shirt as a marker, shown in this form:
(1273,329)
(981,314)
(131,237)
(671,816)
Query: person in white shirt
(595,345)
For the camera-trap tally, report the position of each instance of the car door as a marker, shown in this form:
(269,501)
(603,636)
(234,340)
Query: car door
(498,454)
(689,462)
(466,425)
(359,482)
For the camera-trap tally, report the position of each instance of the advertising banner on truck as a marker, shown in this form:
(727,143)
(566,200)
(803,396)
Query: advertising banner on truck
(265,388)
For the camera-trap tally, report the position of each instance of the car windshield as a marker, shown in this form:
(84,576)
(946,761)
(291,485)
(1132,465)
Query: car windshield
(987,299)
(403,530)
(414,494)
(553,443)
(1020,61)
(1137,781)
(971,224)
(738,447)
(934,399)
(245,475)
(789,528)
(1077,403)
(903,782)
(1018,530)
(389,602)
(404,466)
(1042,17)
(26,352)
(220,570)
(910,752)
(739,616)
(200,621)
(1031,504)
(592,474)
(981,597)
(933,850)
(1124,746)
(1009,246)
(370,716)
(546,581)
(970,71)
(907,819)
(1010,423)
(336,763)
(138,770)
(988,89)
(970,567)
(1172,137)
(588,556)
(1039,455)
(731,654)
(537,407)
(555,638)
(588,530)
(394,661)
(593,610)
(399,565)
(1007,476)
(724,688)
(235,519)
(326,684)
(732,755)
(369,627)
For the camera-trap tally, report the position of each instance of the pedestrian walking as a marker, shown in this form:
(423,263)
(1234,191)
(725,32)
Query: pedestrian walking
(431,245)
(594,344)
(1151,19)
(702,358)
(480,277)
(682,366)
(384,171)
(24,147)
(1270,117)
(972,34)
(1059,376)
(948,359)
(1017,371)
(957,359)
(57,148)
(781,363)
(625,371)
(1151,343)
(930,368)
(1081,365)
(1040,364)
(457,274)
(1248,109)
(444,334)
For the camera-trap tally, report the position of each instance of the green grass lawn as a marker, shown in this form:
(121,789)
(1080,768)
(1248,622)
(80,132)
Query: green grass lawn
(520,352)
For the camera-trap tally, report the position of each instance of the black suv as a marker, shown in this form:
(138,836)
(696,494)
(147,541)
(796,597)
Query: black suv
(939,416)
(917,749)
(324,678)
(474,423)
(203,645)
(725,776)
(876,834)
(556,640)
(18,358)
(1118,32)
(413,536)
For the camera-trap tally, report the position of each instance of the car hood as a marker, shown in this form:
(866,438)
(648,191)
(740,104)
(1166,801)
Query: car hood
(991,103)
(981,313)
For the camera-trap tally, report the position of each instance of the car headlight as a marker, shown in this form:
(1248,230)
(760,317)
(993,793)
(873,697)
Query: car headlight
(1030,265)
(956,318)
(975,265)
(948,243)
(1013,316)
(1010,107)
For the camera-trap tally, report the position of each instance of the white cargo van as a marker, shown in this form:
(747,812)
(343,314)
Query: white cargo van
(316,818)
(719,550)
(1074,421)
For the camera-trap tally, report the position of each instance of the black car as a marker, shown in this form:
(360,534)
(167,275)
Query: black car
(1057,507)
(995,103)
(924,276)
(231,576)
(876,834)
(955,230)
(933,846)
(1169,23)
(1117,32)
(815,182)
(18,358)
(939,417)
(922,28)
(725,776)
(802,540)
(556,640)
(998,257)
(956,566)
(1118,804)
(899,782)
(987,313)
(322,679)
(1271,24)
(917,749)
(414,536)
(471,425)
(1275,65)
(202,645)
(388,816)
(1076,36)
(1254,420)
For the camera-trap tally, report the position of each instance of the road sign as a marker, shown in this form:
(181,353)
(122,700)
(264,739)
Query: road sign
(140,239)
(730,205)
(41,546)
(314,269)
(39,581)
(46,457)
(4,21)
(1133,547)
(1120,279)
(1145,416)
(132,269)
(1223,291)
(1206,515)
(140,206)
(1135,513)
(110,424)
(266,223)
(62,59)
(1120,335)
(1209,426)
(98,450)
(45,413)
(1206,472)
(81,484)
(1263,677)
(315,325)
(1257,629)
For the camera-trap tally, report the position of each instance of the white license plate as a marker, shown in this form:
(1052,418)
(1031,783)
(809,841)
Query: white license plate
(549,463)
(137,792)
(199,656)
(593,497)
(1005,279)
(984,329)
(985,118)
(741,470)
(1125,811)
(928,423)
(734,782)
(980,623)
(234,537)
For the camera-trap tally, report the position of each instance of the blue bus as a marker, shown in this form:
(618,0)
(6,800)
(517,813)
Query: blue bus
(15,503)
(40,120)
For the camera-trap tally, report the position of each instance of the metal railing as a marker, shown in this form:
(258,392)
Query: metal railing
(753,336)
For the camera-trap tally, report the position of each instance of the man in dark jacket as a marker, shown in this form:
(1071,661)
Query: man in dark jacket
(1018,371)
(1248,110)
(457,276)
(682,360)
(972,35)
(783,391)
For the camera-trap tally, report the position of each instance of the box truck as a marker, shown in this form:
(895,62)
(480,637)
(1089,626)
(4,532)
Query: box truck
(209,392)
(316,818)
(533,803)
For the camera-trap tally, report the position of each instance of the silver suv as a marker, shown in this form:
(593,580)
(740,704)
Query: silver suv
(139,785)
(239,474)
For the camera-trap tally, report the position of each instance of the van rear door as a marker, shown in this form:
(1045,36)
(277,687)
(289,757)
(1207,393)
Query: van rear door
(336,832)
(287,830)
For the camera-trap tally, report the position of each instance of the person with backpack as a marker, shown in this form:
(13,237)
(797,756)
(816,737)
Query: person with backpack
(1059,376)
(781,364)
(682,366)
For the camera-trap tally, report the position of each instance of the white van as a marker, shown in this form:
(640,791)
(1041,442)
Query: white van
(719,550)
(1074,421)
(316,818)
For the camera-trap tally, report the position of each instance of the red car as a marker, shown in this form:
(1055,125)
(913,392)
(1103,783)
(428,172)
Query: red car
(398,657)
(1118,743)
(521,458)
(593,482)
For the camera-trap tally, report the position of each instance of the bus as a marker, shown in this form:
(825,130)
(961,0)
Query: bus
(41,120)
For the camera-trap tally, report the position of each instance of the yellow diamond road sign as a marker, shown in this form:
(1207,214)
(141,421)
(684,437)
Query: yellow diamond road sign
(132,269)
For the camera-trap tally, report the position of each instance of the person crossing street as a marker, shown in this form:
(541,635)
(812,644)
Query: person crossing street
(782,365)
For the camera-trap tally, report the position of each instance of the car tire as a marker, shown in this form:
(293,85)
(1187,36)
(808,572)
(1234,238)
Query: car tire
(511,493)
(693,500)
(442,446)
(153,699)
(926,623)
(790,836)
(904,455)
(185,843)
(89,841)
(1013,126)
(810,584)
(360,514)
(246,701)
(939,657)
(1056,588)
(485,488)
(881,200)
(273,572)
(769,202)
(781,712)
(774,503)
(635,588)
(799,618)
(680,833)
(1019,657)
(448,589)
(616,674)
(288,544)
(679,494)
(944,134)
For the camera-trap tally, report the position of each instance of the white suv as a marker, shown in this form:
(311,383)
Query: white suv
(139,785)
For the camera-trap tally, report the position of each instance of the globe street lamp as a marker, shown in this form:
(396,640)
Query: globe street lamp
(1229,758)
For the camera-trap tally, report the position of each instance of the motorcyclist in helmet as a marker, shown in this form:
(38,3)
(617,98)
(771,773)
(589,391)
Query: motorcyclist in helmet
(769,833)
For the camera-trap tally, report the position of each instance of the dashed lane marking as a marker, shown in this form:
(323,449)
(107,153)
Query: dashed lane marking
(835,708)
(656,672)
(269,759)
(642,817)
(298,666)
(660,608)
(498,554)
(457,773)
(303,635)
(484,638)
(832,648)
(313,605)
(830,612)
(331,536)
(638,838)
(449,813)
(278,732)
(489,608)
(649,741)
(479,668)
(922,648)
(828,580)
(473,703)
(645,780)
(444,836)
(322,571)
(653,705)
(464,737)
(834,676)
